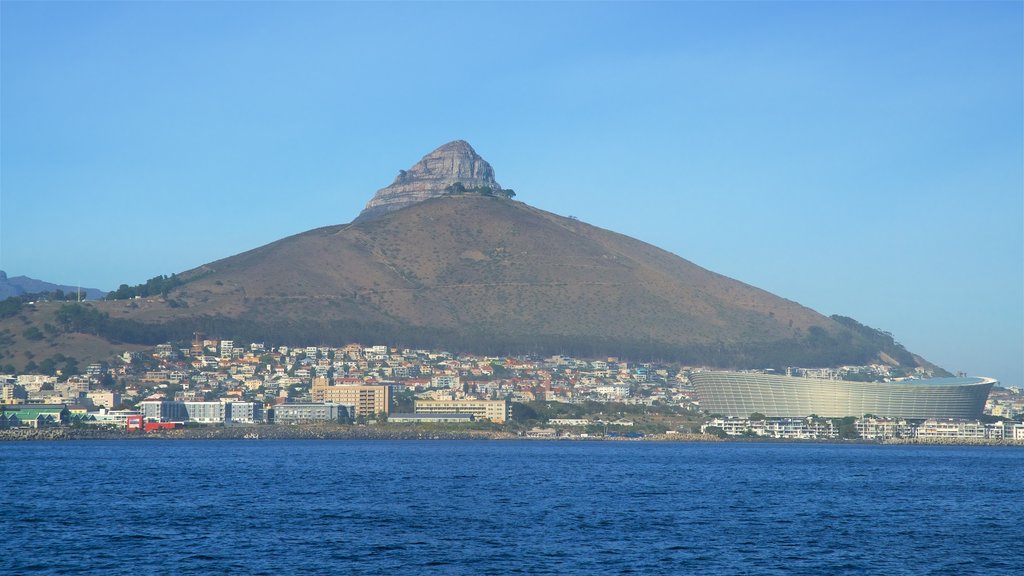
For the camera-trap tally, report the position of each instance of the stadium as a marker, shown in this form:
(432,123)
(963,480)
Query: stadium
(740,394)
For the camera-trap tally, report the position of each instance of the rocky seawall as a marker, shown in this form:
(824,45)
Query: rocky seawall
(252,433)
(314,432)
(953,442)
(311,432)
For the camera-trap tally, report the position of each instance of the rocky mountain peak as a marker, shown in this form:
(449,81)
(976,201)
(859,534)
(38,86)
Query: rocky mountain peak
(454,162)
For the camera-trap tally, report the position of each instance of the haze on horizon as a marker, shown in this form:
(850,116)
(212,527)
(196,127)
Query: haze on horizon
(863,159)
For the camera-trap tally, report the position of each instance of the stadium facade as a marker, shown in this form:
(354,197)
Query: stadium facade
(740,394)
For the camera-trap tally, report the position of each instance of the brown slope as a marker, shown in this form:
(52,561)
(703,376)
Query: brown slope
(478,268)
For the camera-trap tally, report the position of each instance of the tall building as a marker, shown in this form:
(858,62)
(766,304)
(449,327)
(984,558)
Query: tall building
(105,398)
(493,410)
(740,394)
(11,393)
(368,400)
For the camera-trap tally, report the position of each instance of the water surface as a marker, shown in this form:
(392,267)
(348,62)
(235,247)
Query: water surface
(486,507)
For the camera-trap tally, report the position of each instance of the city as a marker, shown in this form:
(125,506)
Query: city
(221,382)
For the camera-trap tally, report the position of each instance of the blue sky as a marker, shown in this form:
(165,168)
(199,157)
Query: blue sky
(863,159)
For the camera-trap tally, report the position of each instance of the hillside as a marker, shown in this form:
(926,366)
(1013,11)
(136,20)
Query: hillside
(487,274)
(479,272)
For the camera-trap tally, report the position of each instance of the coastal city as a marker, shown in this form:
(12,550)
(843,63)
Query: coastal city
(215,382)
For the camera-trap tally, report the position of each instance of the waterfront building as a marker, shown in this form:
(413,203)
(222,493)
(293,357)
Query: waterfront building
(884,428)
(247,412)
(317,413)
(950,428)
(163,411)
(799,428)
(215,412)
(1004,430)
(36,415)
(118,418)
(740,394)
(9,420)
(493,410)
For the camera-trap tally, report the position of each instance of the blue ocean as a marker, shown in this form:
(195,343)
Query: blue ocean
(501,507)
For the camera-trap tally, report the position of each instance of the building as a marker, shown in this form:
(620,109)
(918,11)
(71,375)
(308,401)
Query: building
(227,348)
(36,415)
(445,381)
(950,428)
(798,428)
(103,398)
(368,400)
(311,413)
(163,411)
(493,410)
(884,428)
(740,394)
(115,418)
(216,412)
(11,393)
(246,412)
(9,420)
(569,422)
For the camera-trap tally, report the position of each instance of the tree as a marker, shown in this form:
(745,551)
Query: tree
(523,413)
(70,366)
(846,427)
(10,307)
(716,431)
(48,366)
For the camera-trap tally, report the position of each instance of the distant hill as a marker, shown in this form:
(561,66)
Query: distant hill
(441,263)
(19,285)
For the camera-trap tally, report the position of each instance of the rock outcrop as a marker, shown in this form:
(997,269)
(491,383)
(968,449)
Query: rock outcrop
(455,162)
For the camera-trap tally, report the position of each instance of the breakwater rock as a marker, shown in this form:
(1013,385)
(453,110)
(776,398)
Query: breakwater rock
(255,432)
(954,441)
(312,432)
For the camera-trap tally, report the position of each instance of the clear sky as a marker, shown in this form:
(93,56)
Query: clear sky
(861,158)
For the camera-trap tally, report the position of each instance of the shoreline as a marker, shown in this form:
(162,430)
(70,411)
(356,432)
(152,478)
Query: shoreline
(262,433)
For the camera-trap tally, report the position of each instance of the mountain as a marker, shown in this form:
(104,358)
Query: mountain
(19,285)
(455,162)
(443,258)
(493,275)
